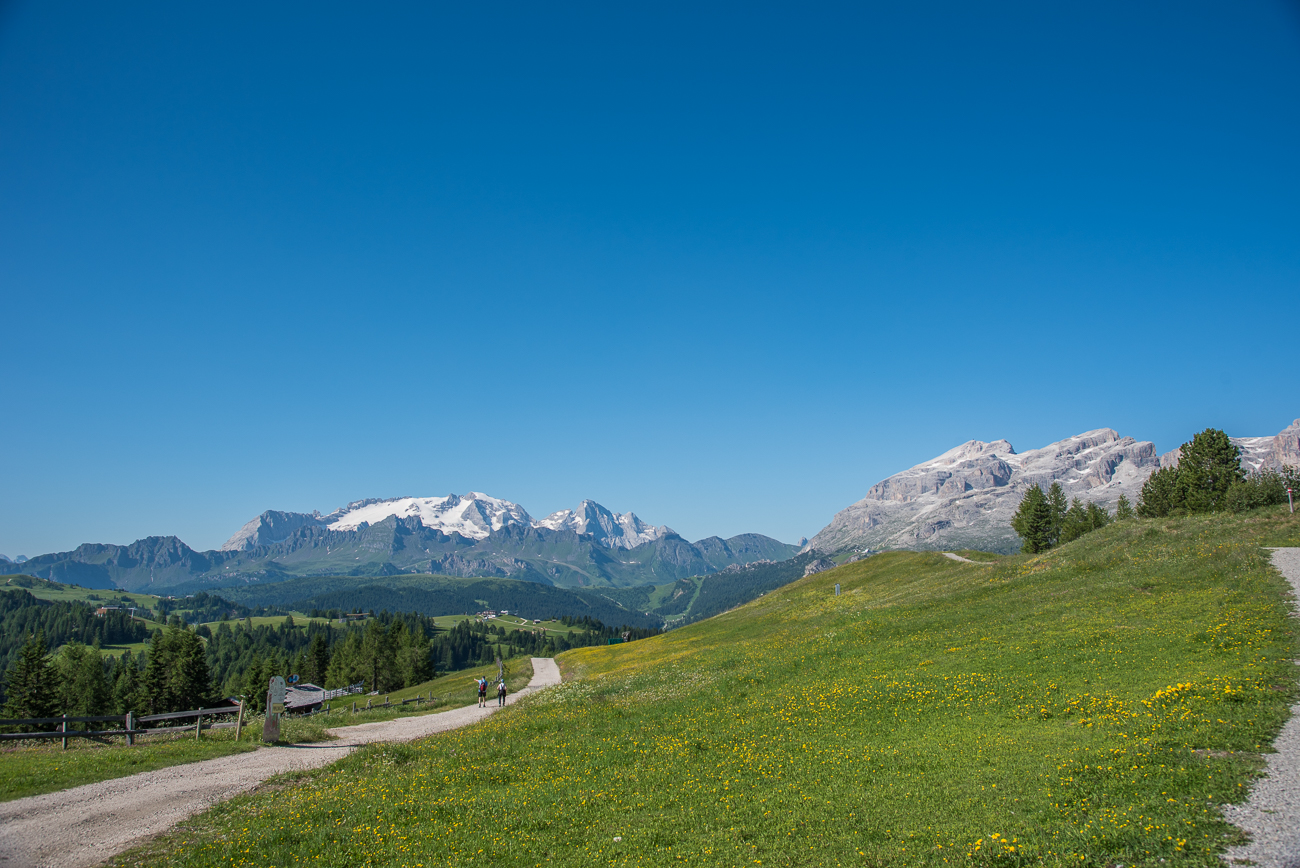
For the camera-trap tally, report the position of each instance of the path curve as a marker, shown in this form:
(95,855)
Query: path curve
(1272,815)
(86,825)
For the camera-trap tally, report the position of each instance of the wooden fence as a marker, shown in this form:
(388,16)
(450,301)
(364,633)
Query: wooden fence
(359,687)
(419,699)
(131,725)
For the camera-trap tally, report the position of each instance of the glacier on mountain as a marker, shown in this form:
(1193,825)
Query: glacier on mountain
(474,516)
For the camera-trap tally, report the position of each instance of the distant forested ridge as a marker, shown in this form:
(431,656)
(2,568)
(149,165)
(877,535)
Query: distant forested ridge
(440,595)
(23,615)
(186,666)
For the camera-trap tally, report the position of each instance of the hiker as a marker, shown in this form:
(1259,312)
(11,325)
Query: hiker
(501,692)
(482,691)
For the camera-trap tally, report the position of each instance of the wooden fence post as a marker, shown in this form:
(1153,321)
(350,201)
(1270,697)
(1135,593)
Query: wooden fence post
(198,727)
(239,724)
(63,727)
(130,725)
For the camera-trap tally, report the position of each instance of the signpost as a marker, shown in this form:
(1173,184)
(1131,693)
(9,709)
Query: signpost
(274,710)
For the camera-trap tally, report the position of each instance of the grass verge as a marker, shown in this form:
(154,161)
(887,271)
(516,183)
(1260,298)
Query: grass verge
(1090,706)
(32,769)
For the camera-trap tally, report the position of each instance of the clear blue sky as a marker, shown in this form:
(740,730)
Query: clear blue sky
(722,265)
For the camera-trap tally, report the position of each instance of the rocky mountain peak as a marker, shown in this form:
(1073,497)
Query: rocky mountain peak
(610,529)
(270,527)
(966,496)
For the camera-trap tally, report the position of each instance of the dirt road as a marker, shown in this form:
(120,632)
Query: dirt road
(86,825)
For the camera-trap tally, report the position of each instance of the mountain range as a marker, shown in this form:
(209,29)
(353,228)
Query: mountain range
(965,498)
(473,516)
(456,535)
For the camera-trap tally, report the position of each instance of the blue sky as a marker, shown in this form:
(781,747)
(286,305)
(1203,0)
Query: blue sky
(722,265)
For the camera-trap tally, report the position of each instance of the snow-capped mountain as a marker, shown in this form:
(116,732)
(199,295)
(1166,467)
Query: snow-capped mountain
(474,516)
(457,535)
(610,529)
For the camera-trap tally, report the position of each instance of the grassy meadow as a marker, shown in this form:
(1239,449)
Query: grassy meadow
(32,768)
(1089,706)
(511,622)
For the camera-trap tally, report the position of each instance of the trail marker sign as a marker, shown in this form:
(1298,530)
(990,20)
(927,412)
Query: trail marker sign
(277,695)
(274,710)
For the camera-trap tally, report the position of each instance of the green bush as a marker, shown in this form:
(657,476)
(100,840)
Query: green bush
(1265,487)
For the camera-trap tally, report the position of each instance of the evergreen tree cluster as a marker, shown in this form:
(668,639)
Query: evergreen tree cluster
(172,675)
(23,615)
(203,606)
(1264,487)
(1209,478)
(1044,520)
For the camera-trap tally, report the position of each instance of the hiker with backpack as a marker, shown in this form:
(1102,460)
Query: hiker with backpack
(501,692)
(481,682)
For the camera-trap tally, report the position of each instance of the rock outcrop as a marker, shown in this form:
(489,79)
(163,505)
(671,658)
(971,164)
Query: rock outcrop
(966,497)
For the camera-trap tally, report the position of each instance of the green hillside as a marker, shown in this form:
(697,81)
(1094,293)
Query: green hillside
(44,589)
(437,595)
(1088,706)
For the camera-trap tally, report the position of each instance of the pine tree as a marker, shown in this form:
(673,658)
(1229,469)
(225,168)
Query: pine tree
(377,655)
(176,677)
(1208,467)
(1161,494)
(1075,524)
(1034,521)
(31,684)
(84,690)
(256,682)
(1057,507)
(1123,509)
(1097,516)
(128,693)
(317,663)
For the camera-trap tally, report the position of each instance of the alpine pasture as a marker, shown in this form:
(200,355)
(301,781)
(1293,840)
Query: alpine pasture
(1091,705)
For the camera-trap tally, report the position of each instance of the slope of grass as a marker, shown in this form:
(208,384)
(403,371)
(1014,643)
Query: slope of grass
(44,589)
(1090,706)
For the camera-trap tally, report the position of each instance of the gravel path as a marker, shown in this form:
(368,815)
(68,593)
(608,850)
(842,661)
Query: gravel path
(954,557)
(86,825)
(1272,816)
